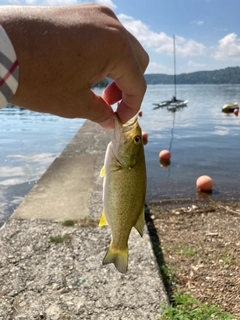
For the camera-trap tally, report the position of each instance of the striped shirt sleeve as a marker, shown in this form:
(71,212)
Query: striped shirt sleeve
(9,70)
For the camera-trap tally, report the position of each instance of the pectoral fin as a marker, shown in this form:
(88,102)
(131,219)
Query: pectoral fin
(139,225)
(102,172)
(103,220)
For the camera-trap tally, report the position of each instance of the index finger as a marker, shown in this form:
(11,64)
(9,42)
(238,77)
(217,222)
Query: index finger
(129,85)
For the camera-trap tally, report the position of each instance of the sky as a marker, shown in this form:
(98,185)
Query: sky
(207,32)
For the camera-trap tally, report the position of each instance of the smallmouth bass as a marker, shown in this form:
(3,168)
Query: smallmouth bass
(124,189)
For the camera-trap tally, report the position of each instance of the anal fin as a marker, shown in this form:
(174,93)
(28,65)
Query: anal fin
(139,225)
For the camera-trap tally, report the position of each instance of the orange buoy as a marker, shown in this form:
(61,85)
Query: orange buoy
(145,137)
(165,155)
(204,183)
(235,111)
(140,113)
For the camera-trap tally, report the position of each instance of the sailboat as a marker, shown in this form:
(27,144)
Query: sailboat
(173,103)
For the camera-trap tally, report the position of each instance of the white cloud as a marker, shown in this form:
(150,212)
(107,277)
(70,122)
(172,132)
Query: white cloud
(155,67)
(228,47)
(221,29)
(107,3)
(189,47)
(198,22)
(161,42)
(195,65)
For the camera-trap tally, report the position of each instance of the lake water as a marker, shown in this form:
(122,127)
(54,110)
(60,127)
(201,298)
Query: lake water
(203,141)
(29,142)
(201,138)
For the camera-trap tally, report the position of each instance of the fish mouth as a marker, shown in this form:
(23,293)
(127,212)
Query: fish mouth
(131,122)
(126,126)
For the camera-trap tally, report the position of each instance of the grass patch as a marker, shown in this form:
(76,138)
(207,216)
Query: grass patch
(86,222)
(187,251)
(187,308)
(60,238)
(68,223)
(227,259)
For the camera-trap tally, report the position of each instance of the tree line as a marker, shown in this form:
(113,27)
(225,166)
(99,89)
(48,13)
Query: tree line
(230,75)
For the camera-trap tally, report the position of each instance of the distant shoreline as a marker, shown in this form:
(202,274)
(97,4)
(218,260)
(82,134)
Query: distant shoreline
(230,75)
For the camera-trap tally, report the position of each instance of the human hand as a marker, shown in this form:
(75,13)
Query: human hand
(63,51)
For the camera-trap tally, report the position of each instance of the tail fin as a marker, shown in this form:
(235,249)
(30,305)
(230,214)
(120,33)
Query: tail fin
(118,257)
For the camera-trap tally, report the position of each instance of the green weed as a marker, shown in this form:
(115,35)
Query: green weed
(187,251)
(187,308)
(226,258)
(60,238)
(68,223)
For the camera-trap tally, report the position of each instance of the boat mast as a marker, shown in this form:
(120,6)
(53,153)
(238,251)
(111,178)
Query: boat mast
(174,61)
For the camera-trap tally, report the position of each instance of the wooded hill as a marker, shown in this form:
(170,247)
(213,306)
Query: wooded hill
(230,75)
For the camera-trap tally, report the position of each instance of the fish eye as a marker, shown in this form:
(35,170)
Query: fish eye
(137,140)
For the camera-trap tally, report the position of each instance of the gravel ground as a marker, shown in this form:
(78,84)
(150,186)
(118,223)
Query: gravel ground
(44,280)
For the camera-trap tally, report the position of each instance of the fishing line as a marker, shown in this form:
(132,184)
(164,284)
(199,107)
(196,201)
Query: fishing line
(172,131)
(172,137)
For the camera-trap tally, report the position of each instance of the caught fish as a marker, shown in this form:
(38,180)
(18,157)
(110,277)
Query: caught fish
(124,189)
